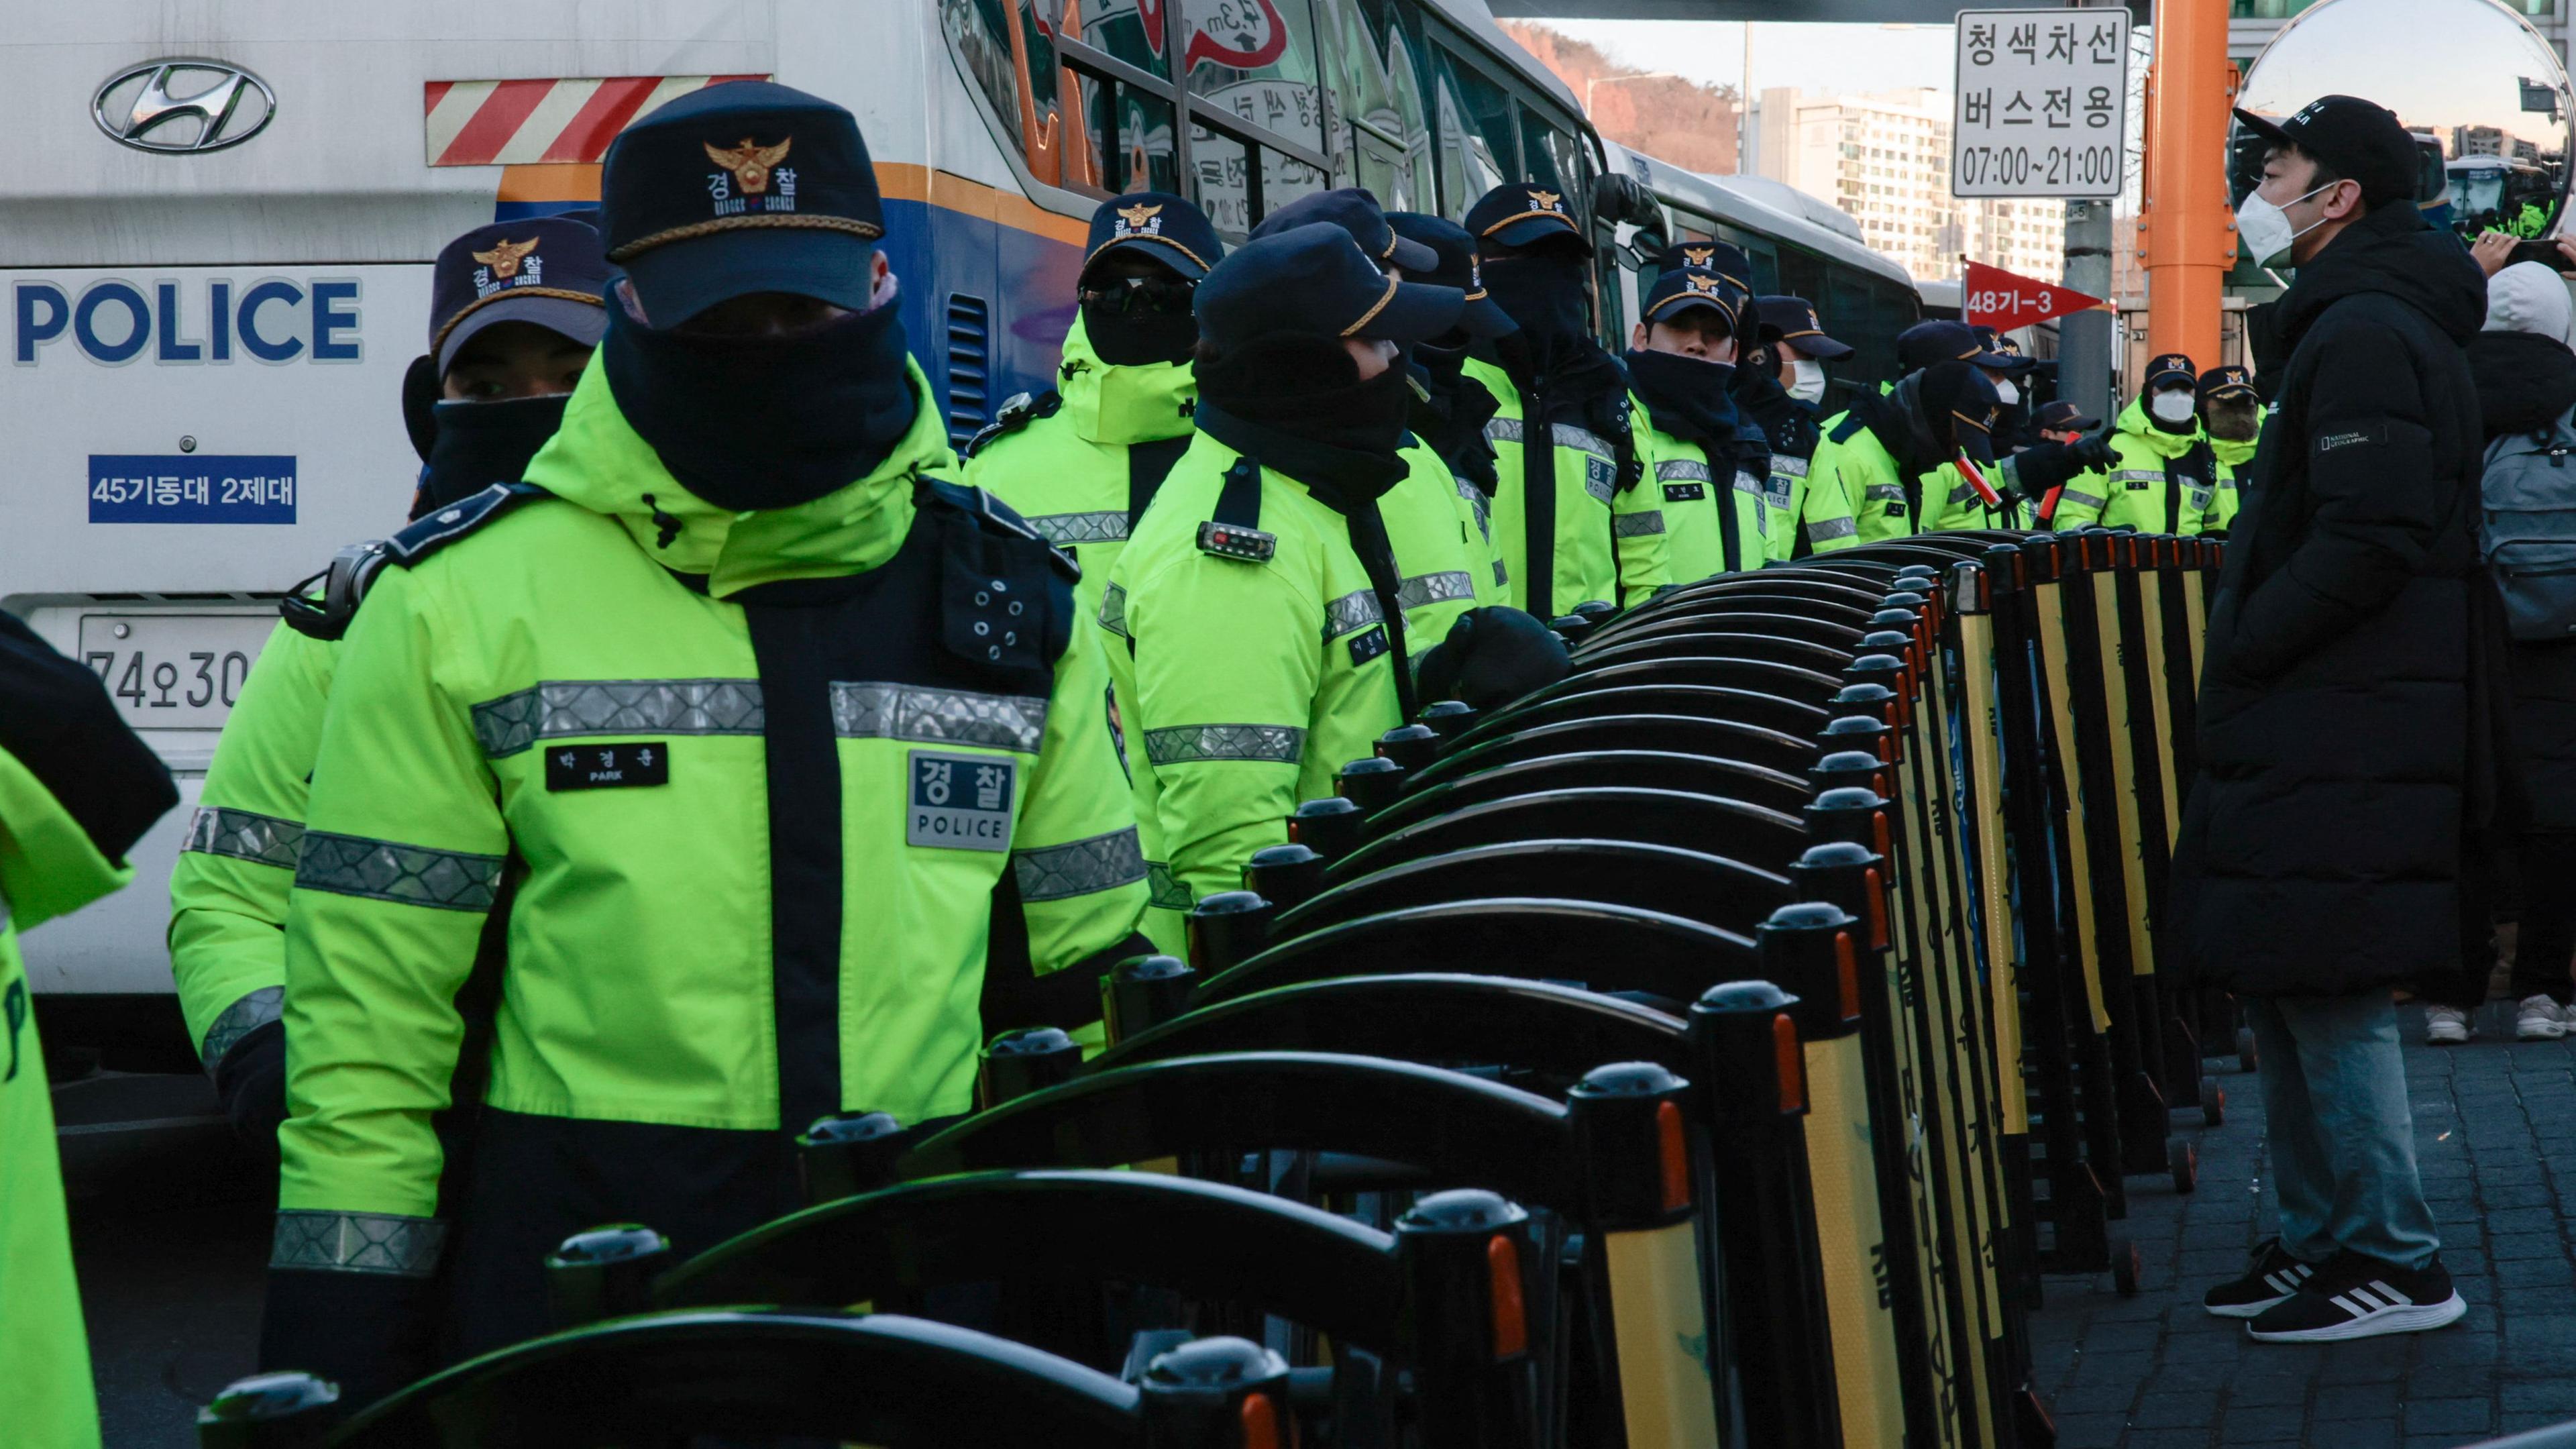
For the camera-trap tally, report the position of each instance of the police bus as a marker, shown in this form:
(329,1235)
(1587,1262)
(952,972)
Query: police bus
(216,266)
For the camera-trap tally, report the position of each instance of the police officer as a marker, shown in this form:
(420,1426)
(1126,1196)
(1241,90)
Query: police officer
(1779,387)
(77,790)
(2163,475)
(1261,632)
(2011,382)
(758,725)
(1081,461)
(1571,521)
(2231,418)
(1710,464)
(515,311)
(1450,408)
(2060,421)
(1902,456)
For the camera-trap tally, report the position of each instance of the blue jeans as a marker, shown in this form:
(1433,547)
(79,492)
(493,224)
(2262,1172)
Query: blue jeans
(2342,1135)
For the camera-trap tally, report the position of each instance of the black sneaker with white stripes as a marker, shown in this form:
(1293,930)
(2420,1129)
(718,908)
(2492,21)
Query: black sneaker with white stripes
(2273,1276)
(2352,1296)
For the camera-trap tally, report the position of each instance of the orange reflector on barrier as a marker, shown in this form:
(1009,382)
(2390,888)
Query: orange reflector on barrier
(1260,1423)
(1675,1149)
(1847,973)
(1511,1319)
(1878,836)
(1791,1060)
(1877,906)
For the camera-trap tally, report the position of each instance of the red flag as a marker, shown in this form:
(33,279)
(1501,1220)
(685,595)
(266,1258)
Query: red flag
(1993,297)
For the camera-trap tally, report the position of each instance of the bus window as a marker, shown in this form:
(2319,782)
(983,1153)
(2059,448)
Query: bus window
(1478,149)
(1801,275)
(1013,62)
(1234,195)
(1550,156)
(1128,137)
(1256,59)
(1381,94)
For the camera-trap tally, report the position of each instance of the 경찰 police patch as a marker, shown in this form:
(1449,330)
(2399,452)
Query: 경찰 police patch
(959,802)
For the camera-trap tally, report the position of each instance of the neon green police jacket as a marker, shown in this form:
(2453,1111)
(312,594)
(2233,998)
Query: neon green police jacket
(1081,462)
(1255,682)
(228,889)
(756,787)
(1608,541)
(2232,456)
(48,867)
(1717,513)
(2159,482)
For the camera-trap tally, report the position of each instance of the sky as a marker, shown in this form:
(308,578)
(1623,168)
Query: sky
(1844,58)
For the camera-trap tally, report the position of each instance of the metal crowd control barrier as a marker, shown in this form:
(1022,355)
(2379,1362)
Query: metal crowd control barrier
(1709,1049)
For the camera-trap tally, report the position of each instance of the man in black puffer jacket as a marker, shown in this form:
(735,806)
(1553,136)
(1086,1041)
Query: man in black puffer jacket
(2341,765)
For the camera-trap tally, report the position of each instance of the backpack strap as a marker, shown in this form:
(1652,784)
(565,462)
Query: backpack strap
(343,584)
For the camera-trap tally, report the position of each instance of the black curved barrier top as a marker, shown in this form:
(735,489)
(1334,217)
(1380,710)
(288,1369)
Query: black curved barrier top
(1721,739)
(1818,623)
(1019,1228)
(1430,1017)
(1581,765)
(1715,639)
(1640,691)
(1463,1130)
(881,1379)
(1600,946)
(1731,828)
(1766,676)
(1688,883)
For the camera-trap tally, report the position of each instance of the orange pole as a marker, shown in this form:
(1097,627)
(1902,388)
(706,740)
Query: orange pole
(2190,239)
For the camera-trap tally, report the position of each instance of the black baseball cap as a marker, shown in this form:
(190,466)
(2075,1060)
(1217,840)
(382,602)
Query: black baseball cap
(1315,281)
(544,270)
(1456,266)
(1724,258)
(1793,319)
(2169,369)
(1355,210)
(2359,139)
(1521,213)
(2227,382)
(741,188)
(2061,416)
(1961,401)
(1925,343)
(1686,289)
(1154,224)
(2015,361)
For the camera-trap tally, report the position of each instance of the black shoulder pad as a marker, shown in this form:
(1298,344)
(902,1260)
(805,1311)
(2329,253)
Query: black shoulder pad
(994,516)
(1851,423)
(1017,412)
(343,585)
(430,533)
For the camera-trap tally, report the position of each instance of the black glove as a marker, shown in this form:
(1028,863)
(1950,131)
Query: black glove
(1492,656)
(2043,468)
(251,1082)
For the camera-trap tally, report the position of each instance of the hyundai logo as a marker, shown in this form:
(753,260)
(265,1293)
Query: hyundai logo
(183,106)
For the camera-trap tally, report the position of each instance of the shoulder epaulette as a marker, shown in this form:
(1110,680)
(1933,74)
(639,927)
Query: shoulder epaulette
(1844,426)
(353,569)
(994,516)
(1017,412)
(1235,531)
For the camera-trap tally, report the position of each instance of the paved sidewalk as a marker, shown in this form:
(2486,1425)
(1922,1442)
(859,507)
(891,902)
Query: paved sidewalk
(2495,1131)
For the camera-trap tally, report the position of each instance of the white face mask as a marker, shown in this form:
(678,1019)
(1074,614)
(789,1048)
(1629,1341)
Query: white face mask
(1809,380)
(2005,392)
(2264,231)
(2172,407)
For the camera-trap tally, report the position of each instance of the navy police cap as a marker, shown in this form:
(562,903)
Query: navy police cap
(741,188)
(1793,320)
(1925,343)
(1315,281)
(1158,225)
(1355,210)
(2172,370)
(2227,382)
(1724,258)
(1686,289)
(1520,213)
(547,270)
(1455,265)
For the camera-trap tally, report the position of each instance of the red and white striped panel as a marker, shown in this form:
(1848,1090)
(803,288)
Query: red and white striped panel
(539,122)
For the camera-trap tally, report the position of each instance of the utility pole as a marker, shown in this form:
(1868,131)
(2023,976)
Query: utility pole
(2185,194)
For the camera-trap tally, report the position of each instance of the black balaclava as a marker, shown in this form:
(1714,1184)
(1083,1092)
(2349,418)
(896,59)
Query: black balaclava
(1297,403)
(1138,328)
(1545,293)
(479,444)
(1452,409)
(2243,413)
(765,422)
(1686,396)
